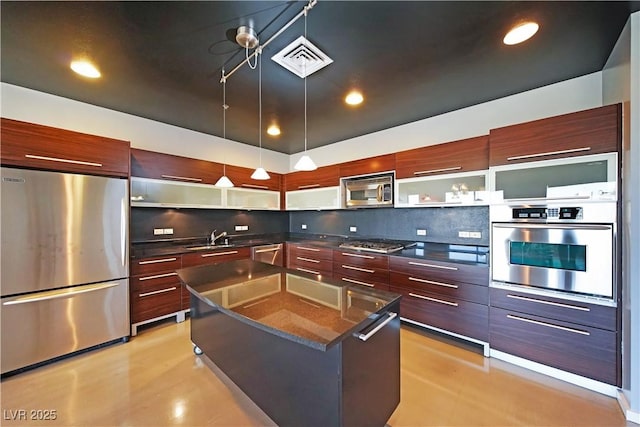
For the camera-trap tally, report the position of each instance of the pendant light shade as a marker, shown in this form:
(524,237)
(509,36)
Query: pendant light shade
(260,173)
(223,181)
(305,163)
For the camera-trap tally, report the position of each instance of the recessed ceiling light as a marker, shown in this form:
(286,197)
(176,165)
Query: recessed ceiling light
(354,98)
(273,130)
(520,33)
(85,68)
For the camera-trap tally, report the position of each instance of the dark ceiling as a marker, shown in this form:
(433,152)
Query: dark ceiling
(411,59)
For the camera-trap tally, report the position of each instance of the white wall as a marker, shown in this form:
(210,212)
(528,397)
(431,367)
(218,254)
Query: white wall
(37,107)
(571,95)
(32,106)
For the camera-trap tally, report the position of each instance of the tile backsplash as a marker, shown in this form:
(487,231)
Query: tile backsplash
(441,225)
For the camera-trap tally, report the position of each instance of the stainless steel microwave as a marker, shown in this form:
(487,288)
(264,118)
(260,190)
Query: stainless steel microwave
(368,191)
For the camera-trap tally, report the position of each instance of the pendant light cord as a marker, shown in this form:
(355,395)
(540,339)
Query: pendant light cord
(224,117)
(304,64)
(260,104)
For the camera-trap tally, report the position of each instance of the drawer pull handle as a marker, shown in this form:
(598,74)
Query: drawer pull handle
(549,153)
(423,264)
(308,249)
(157,276)
(161,291)
(261,187)
(358,255)
(357,282)
(182,178)
(307,259)
(454,304)
(261,251)
(455,168)
(302,187)
(390,316)
(548,325)
(219,253)
(557,304)
(364,270)
(307,271)
(57,159)
(154,261)
(431,282)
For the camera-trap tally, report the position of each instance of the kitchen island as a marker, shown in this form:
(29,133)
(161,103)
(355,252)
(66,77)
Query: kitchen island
(307,350)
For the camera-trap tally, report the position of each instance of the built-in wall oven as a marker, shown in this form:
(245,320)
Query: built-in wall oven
(565,249)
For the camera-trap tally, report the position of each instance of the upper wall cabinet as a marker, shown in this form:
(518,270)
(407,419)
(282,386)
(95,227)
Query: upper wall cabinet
(43,147)
(465,155)
(592,131)
(241,177)
(150,164)
(325,176)
(369,165)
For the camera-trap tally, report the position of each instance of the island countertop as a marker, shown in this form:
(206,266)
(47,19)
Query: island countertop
(308,309)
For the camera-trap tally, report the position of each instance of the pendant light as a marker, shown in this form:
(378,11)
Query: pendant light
(260,173)
(305,163)
(224,182)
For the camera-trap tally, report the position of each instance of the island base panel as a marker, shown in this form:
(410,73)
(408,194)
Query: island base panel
(352,383)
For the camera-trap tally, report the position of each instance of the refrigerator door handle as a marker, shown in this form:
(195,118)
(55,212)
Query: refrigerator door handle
(60,293)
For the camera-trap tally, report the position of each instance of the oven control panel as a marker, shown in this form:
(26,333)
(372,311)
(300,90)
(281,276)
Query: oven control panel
(561,213)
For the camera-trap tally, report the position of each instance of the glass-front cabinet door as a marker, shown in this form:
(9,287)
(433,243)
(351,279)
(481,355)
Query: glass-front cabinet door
(467,188)
(587,177)
(163,193)
(246,198)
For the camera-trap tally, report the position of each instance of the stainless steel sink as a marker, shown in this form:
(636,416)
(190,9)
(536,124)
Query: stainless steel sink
(205,247)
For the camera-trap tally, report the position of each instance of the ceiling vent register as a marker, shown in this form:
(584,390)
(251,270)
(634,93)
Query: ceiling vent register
(301,50)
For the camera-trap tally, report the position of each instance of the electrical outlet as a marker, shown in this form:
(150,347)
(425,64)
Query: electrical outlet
(168,231)
(353,229)
(242,227)
(304,226)
(475,234)
(158,231)
(463,234)
(421,232)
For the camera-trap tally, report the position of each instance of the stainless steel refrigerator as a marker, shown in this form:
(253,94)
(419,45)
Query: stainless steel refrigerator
(64,264)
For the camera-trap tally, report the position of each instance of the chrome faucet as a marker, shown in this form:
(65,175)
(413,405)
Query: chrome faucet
(214,237)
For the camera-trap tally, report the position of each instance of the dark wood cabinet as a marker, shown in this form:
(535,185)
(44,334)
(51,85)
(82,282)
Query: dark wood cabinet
(447,296)
(325,176)
(593,131)
(241,177)
(215,256)
(155,290)
(43,147)
(574,336)
(150,164)
(310,259)
(365,269)
(383,163)
(465,155)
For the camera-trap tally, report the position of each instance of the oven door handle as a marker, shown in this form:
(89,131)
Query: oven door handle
(553,225)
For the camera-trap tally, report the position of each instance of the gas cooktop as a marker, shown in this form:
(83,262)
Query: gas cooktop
(371,246)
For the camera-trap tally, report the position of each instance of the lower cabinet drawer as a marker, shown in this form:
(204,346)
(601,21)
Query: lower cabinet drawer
(155,302)
(457,290)
(461,317)
(364,273)
(311,265)
(367,282)
(582,350)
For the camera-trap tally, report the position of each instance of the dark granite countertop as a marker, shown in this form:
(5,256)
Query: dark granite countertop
(456,253)
(317,312)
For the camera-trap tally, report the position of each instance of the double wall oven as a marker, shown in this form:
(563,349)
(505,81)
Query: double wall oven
(567,250)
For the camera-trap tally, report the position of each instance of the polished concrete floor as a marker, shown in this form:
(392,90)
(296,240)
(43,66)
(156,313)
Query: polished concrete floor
(155,380)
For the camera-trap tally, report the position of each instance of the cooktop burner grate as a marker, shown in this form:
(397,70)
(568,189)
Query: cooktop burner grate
(380,247)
